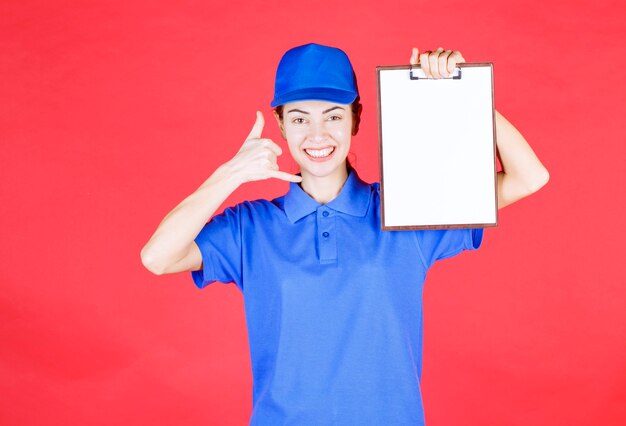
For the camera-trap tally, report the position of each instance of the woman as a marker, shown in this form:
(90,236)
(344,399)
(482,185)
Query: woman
(333,304)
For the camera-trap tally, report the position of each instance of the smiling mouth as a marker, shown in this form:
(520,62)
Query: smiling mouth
(320,153)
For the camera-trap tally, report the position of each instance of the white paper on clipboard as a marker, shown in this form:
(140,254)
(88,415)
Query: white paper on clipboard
(437,148)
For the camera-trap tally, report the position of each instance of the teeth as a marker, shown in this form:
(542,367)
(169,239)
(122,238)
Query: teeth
(319,153)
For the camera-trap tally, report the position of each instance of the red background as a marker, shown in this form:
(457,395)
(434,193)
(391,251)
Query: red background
(112,112)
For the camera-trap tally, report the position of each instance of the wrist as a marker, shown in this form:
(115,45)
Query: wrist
(226,175)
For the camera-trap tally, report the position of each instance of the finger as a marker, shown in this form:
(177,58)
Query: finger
(272,146)
(454,59)
(424,62)
(434,62)
(285,176)
(443,63)
(271,158)
(269,163)
(457,57)
(257,129)
(414,57)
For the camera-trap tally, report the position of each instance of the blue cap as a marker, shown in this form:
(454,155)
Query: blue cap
(315,72)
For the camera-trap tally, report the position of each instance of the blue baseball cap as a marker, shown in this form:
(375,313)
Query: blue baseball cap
(315,72)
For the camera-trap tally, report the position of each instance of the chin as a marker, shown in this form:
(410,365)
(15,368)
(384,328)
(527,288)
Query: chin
(322,170)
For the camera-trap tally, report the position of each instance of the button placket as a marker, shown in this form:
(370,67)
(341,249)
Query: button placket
(326,235)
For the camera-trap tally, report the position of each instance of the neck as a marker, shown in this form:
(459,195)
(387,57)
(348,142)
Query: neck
(324,189)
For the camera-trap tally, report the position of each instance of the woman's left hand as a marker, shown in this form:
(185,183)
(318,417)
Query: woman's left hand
(437,64)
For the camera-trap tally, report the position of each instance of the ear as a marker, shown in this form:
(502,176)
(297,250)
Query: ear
(280,124)
(356,120)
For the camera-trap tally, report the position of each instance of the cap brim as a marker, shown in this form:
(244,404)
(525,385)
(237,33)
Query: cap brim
(323,94)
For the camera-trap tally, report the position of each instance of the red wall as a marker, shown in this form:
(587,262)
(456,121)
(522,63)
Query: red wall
(111,113)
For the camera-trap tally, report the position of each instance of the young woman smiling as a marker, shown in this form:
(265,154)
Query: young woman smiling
(333,304)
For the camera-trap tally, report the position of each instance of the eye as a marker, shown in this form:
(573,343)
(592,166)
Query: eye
(298,120)
(335,117)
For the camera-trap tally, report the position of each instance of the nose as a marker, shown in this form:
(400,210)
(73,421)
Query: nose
(318,132)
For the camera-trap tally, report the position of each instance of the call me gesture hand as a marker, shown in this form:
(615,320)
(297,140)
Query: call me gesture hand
(172,248)
(256,159)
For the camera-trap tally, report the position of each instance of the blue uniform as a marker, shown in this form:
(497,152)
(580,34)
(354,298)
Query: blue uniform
(333,304)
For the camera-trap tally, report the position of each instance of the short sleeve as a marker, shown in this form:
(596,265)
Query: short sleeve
(440,244)
(219,242)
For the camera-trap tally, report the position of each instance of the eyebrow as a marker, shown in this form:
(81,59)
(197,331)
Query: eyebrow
(323,112)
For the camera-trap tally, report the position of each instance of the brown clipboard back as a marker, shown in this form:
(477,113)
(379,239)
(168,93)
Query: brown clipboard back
(406,108)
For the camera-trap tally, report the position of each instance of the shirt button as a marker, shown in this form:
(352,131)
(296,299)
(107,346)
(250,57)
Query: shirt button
(325,234)
(325,213)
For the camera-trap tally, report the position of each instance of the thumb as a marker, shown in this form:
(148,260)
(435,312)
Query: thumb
(415,58)
(257,129)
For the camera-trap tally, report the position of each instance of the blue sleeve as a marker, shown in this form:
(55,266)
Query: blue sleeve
(440,244)
(219,242)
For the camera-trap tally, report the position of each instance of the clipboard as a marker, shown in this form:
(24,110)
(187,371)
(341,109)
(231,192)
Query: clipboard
(437,148)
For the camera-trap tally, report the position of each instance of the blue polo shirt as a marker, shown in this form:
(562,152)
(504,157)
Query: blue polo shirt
(333,304)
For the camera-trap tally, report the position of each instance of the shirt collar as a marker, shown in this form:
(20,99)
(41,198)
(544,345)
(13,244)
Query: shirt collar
(353,199)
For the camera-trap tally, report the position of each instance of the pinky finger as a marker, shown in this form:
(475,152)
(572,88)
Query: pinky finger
(457,57)
(285,176)
(454,59)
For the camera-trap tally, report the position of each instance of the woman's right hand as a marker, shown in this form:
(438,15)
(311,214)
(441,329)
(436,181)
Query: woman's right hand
(172,247)
(256,160)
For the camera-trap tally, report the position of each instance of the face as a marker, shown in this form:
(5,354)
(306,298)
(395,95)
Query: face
(318,134)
